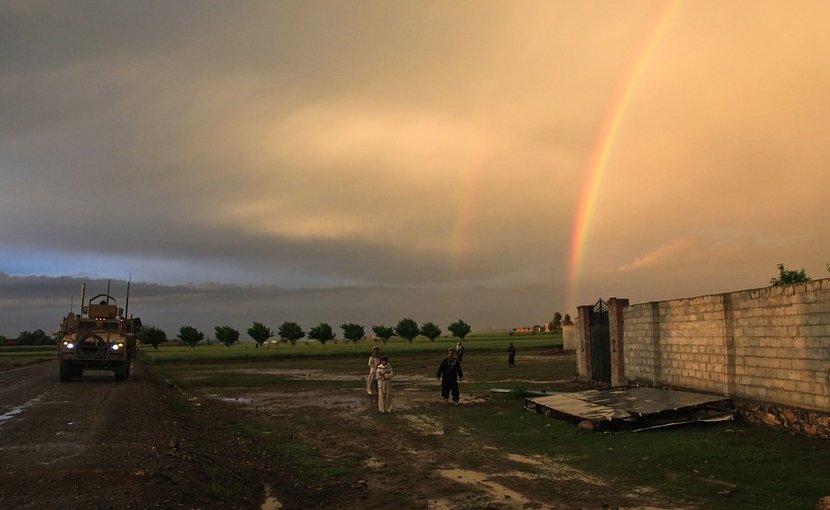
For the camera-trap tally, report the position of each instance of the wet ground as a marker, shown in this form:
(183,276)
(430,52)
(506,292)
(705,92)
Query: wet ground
(143,443)
(95,443)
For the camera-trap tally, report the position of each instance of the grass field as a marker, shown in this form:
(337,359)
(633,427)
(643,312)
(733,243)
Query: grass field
(17,356)
(492,342)
(314,395)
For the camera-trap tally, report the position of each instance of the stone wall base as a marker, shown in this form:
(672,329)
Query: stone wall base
(794,420)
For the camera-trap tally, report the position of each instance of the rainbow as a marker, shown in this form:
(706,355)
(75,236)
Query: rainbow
(598,161)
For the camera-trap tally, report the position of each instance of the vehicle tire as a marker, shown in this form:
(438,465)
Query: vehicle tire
(66,371)
(120,372)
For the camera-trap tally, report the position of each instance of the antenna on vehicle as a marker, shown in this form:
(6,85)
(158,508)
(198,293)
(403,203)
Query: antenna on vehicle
(127,301)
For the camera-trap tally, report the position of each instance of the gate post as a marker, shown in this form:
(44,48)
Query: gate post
(616,324)
(583,348)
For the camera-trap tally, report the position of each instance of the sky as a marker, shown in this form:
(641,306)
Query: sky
(332,161)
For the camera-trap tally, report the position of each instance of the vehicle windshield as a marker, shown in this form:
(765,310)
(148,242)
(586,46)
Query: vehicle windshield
(107,326)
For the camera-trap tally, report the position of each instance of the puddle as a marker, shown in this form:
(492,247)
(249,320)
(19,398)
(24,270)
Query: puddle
(11,413)
(375,463)
(271,502)
(440,504)
(234,400)
(498,491)
(523,459)
(555,468)
(298,374)
(425,425)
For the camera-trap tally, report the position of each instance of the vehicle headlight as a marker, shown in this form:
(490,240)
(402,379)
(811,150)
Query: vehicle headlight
(117,346)
(68,345)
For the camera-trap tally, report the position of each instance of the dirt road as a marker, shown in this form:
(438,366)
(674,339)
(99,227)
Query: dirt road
(95,443)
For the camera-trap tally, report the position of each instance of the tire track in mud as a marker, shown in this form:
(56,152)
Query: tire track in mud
(97,443)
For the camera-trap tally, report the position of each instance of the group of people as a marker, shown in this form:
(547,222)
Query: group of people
(379,380)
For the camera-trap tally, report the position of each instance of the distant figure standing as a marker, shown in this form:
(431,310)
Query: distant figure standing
(371,380)
(384,379)
(459,351)
(511,355)
(450,372)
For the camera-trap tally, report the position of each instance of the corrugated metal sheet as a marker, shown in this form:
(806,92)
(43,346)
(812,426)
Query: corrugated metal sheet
(645,405)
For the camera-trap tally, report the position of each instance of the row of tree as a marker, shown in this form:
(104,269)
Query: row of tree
(559,321)
(291,332)
(36,337)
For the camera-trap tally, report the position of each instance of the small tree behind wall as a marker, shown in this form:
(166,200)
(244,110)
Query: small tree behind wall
(789,276)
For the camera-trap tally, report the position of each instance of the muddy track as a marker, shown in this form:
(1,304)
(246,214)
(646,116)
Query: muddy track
(95,443)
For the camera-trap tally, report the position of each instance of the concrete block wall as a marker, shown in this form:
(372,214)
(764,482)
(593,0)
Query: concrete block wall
(569,337)
(642,350)
(770,344)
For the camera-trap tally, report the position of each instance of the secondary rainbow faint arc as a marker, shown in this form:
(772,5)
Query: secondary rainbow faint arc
(598,161)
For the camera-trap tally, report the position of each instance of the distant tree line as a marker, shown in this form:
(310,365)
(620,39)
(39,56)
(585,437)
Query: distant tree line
(36,337)
(559,321)
(291,332)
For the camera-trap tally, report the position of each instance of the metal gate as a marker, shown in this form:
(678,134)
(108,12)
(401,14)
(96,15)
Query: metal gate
(600,343)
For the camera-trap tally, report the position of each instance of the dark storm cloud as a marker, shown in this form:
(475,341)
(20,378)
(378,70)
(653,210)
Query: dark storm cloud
(28,303)
(336,154)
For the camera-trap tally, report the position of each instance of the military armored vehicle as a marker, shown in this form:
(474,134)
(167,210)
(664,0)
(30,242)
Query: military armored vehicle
(102,337)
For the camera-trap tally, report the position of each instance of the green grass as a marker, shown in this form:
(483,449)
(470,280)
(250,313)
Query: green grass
(21,355)
(763,468)
(491,342)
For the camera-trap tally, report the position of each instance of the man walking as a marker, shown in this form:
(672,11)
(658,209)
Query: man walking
(450,372)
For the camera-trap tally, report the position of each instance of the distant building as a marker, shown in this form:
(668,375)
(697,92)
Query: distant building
(547,327)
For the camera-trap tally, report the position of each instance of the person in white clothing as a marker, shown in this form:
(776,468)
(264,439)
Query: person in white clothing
(374,360)
(384,378)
